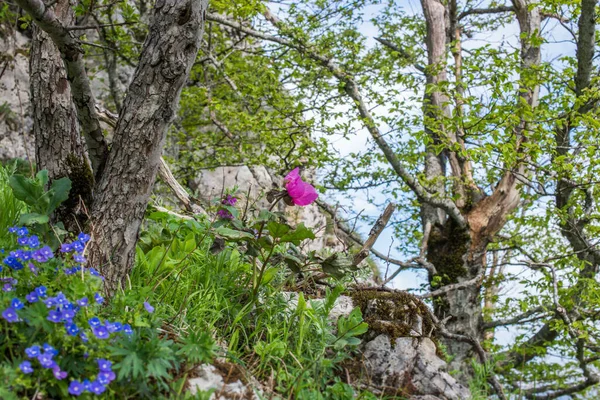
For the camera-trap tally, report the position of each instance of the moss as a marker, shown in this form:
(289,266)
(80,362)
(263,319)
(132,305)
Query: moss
(447,248)
(82,184)
(393,313)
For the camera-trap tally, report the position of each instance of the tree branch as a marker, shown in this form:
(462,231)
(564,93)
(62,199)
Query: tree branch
(417,262)
(456,286)
(351,89)
(72,55)
(403,53)
(514,320)
(376,230)
(481,11)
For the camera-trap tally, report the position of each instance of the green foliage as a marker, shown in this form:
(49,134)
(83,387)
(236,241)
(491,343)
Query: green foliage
(275,335)
(12,207)
(41,202)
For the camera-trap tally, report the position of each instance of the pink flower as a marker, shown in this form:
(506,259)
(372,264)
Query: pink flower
(302,193)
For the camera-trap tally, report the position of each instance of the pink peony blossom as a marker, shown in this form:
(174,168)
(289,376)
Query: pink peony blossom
(301,193)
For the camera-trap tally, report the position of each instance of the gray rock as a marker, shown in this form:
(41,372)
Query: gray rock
(410,365)
(16,135)
(257,181)
(209,377)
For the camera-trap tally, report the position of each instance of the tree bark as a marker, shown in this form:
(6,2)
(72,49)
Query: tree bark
(59,146)
(83,98)
(149,107)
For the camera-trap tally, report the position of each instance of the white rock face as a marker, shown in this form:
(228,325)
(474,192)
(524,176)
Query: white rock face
(258,180)
(411,364)
(16,135)
(209,377)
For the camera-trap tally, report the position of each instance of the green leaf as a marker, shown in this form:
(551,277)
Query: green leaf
(338,265)
(33,218)
(277,229)
(232,234)
(25,189)
(42,177)
(59,192)
(299,234)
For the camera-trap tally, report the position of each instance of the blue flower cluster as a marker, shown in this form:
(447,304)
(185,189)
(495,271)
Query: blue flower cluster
(30,251)
(72,314)
(98,386)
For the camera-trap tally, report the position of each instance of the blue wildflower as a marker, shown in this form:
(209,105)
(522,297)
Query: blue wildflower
(101,332)
(76,388)
(104,365)
(23,241)
(72,329)
(46,360)
(106,377)
(83,302)
(94,322)
(148,307)
(49,349)
(26,367)
(33,351)
(10,314)
(78,246)
(83,237)
(41,291)
(97,388)
(99,299)
(22,231)
(34,241)
(66,248)
(32,297)
(55,316)
(16,304)
(127,329)
(58,374)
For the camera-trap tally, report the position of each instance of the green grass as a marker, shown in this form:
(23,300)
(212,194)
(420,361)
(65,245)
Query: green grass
(10,207)
(290,346)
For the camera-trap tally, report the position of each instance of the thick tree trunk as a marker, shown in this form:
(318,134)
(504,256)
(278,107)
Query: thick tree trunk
(148,109)
(59,146)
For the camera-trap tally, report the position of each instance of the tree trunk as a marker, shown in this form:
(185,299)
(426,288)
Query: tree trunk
(59,146)
(124,189)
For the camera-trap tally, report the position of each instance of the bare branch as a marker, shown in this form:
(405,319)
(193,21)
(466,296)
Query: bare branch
(415,263)
(514,320)
(376,230)
(482,11)
(456,286)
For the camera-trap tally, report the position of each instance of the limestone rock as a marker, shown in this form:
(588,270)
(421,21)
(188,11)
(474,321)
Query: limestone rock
(410,366)
(256,181)
(16,134)
(226,383)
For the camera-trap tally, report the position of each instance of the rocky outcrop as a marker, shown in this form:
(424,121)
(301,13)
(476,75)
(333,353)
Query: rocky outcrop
(16,133)
(254,183)
(398,355)
(411,367)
